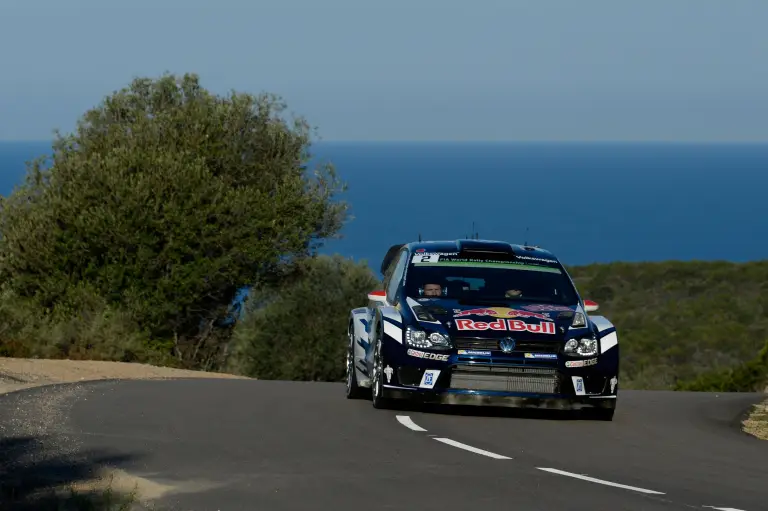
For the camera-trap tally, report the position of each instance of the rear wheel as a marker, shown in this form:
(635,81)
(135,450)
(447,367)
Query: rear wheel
(354,391)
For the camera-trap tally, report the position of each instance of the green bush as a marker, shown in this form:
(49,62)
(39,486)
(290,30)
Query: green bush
(298,331)
(93,330)
(678,320)
(749,377)
(165,201)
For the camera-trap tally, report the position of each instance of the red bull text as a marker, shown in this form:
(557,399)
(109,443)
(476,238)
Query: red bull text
(501,312)
(514,325)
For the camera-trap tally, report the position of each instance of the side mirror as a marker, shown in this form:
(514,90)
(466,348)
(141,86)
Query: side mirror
(378,296)
(590,306)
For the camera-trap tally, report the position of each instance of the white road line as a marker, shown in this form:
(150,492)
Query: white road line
(599,481)
(724,508)
(408,423)
(472,449)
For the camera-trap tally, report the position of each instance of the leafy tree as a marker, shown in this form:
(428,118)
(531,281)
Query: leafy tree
(165,201)
(298,331)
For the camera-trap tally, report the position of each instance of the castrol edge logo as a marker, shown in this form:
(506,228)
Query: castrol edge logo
(513,325)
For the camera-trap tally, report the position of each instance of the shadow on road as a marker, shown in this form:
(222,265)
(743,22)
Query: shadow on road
(30,469)
(498,411)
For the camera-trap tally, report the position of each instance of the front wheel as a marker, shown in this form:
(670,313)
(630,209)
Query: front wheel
(377,387)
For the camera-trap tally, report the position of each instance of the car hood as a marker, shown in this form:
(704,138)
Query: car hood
(501,319)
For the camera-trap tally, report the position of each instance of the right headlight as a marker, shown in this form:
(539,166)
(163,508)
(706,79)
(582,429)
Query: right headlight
(579,321)
(421,339)
(584,347)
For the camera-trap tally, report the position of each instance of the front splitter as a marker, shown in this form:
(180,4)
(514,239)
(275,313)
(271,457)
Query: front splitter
(479,398)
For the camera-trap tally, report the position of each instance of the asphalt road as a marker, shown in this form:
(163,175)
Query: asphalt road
(271,445)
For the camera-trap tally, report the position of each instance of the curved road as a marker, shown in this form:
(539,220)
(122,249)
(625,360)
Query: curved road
(278,445)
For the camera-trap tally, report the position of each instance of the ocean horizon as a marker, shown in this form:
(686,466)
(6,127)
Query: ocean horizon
(587,202)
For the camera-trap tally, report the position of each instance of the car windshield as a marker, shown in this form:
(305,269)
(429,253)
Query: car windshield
(481,280)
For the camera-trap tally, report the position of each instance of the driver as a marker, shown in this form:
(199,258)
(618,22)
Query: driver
(433,289)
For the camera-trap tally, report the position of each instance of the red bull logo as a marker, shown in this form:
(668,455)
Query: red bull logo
(513,325)
(501,312)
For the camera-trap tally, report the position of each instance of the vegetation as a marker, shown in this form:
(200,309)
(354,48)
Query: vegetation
(746,377)
(296,331)
(163,204)
(680,322)
(168,200)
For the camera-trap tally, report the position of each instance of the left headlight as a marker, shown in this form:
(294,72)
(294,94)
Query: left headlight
(584,347)
(421,339)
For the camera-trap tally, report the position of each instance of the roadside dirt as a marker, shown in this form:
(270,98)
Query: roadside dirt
(22,373)
(757,423)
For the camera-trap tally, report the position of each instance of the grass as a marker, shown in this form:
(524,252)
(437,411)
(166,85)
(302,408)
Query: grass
(72,497)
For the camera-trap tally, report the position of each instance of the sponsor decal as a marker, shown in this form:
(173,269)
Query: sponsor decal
(514,325)
(578,385)
(475,352)
(614,382)
(429,378)
(541,355)
(581,363)
(427,355)
(541,259)
(388,372)
(500,312)
(543,307)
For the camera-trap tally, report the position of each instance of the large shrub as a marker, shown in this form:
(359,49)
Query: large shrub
(165,201)
(298,332)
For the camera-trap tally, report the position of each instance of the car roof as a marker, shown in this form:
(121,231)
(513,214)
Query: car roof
(467,245)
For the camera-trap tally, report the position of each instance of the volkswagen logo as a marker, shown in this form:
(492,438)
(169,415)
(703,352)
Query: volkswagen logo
(507,345)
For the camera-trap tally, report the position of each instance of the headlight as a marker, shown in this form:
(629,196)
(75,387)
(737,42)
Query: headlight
(579,321)
(420,339)
(585,347)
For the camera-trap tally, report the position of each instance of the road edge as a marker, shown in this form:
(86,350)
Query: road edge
(756,422)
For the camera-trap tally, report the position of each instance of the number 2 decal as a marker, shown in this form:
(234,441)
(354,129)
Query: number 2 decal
(425,258)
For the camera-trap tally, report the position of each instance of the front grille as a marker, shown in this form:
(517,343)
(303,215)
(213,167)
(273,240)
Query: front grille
(473,343)
(505,378)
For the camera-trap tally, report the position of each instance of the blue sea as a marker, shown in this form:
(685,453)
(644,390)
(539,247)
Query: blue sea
(586,202)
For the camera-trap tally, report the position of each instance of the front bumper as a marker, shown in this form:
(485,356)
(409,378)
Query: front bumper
(497,379)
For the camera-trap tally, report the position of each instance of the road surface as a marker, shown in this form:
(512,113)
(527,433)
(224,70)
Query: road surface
(278,445)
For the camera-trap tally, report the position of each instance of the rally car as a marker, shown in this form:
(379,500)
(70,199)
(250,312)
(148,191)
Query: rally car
(481,322)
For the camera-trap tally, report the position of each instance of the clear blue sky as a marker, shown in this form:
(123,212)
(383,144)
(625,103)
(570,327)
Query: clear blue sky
(409,70)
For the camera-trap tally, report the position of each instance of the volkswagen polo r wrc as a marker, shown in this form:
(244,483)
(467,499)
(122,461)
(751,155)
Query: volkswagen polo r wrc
(481,322)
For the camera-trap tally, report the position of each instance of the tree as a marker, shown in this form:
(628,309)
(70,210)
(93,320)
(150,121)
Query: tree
(298,331)
(165,201)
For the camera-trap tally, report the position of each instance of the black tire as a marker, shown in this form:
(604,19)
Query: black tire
(377,385)
(354,391)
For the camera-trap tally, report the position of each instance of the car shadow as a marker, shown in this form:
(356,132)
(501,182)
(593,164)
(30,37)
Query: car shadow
(496,411)
(30,469)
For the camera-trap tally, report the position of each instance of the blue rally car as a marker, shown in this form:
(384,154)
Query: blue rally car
(481,322)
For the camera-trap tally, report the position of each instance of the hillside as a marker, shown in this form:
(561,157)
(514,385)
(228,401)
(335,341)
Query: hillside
(678,321)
